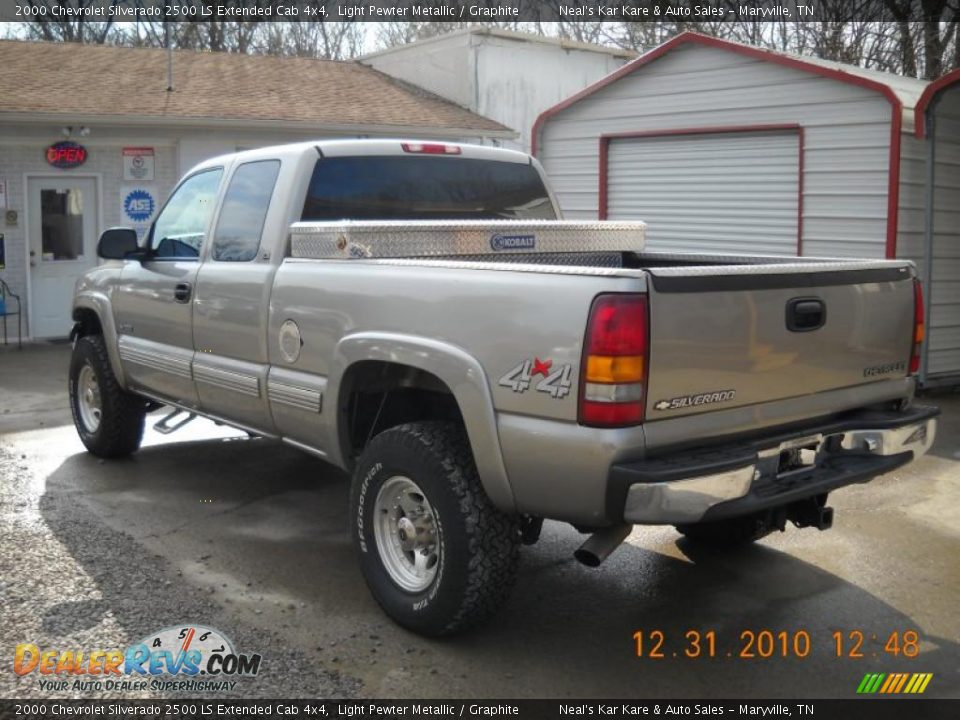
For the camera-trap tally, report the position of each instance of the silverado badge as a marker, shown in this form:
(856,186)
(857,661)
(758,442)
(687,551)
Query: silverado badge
(685,401)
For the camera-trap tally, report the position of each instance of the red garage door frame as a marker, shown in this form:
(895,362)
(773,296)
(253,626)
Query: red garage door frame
(896,106)
(604,153)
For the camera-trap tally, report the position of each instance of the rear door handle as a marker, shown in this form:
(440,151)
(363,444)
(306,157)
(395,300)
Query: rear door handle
(181,293)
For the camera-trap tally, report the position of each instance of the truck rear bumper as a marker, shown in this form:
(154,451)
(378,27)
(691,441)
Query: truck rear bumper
(743,478)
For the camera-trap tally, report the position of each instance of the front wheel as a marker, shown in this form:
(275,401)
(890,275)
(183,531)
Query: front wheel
(435,552)
(108,419)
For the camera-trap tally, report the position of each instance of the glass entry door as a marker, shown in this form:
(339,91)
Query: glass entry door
(62,215)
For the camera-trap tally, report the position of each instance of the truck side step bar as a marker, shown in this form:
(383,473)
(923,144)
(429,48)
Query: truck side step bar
(165,426)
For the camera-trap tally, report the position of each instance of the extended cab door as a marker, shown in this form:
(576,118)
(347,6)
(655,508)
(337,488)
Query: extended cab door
(154,298)
(232,300)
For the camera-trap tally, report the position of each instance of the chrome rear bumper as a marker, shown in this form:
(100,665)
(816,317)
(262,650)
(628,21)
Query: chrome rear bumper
(793,469)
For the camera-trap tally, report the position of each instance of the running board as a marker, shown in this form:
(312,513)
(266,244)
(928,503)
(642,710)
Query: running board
(164,426)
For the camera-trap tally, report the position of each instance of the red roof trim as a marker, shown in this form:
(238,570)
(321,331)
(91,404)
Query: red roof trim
(893,183)
(929,93)
(893,187)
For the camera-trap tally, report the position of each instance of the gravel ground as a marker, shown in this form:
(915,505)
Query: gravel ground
(106,591)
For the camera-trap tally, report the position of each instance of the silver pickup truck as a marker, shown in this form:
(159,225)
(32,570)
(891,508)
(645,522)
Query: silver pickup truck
(417,314)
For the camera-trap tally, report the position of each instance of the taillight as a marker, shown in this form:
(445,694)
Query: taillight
(615,354)
(918,326)
(431,148)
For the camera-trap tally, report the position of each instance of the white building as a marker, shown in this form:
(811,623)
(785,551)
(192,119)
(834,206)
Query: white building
(129,139)
(726,147)
(508,76)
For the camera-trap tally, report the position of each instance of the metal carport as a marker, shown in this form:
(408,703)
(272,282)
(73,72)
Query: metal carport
(937,123)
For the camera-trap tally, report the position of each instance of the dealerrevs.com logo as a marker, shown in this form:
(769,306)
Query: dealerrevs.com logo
(185,658)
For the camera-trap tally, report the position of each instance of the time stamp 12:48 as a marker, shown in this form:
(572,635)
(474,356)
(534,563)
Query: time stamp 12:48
(766,644)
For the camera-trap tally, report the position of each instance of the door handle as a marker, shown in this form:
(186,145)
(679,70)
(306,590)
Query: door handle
(805,314)
(181,293)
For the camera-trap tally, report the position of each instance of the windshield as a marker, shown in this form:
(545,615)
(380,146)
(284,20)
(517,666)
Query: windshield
(425,188)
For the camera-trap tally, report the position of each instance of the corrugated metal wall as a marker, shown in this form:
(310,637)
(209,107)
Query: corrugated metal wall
(718,192)
(847,136)
(944,301)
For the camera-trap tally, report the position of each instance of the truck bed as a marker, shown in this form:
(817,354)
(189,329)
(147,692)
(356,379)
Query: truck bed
(720,331)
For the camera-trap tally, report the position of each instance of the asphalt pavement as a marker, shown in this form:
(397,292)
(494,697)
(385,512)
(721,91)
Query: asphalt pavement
(248,536)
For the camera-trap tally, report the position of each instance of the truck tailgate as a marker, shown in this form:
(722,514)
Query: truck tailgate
(723,337)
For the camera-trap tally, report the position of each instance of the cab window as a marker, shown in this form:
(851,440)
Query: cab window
(245,205)
(425,187)
(181,228)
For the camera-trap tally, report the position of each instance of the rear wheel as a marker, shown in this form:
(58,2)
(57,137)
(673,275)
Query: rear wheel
(108,419)
(435,552)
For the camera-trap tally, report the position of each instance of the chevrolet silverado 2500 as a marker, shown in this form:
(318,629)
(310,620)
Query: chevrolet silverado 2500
(417,314)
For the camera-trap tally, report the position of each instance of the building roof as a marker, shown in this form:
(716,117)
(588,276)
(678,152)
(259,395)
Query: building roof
(563,43)
(69,81)
(907,89)
(903,93)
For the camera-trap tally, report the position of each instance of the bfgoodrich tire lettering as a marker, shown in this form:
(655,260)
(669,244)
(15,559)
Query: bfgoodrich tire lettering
(478,545)
(116,428)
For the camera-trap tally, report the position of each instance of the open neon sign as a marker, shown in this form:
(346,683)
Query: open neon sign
(66,155)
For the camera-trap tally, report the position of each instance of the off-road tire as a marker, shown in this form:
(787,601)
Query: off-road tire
(122,414)
(479,544)
(727,533)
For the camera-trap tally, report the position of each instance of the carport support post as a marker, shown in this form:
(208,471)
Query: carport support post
(928,237)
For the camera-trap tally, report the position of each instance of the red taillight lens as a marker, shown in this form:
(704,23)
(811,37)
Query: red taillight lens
(618,325)
(431,148)
(615,354)
(919,327)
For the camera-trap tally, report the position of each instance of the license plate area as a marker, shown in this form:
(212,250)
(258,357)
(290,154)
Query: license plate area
(792,459)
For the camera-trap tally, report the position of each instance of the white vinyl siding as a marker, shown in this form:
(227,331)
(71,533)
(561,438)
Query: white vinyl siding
(846,136)
(716,192)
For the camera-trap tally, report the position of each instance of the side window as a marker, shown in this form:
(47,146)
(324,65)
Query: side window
(245,205)
(180,230)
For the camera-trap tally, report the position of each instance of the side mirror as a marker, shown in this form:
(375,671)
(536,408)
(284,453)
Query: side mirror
(118,243)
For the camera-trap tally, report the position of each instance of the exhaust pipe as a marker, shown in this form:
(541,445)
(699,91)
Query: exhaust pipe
(598,546)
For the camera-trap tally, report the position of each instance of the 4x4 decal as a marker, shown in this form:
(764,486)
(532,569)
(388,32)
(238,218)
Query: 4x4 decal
(555,382)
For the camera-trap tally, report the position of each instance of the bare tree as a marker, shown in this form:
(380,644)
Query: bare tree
(312,38)
(77,29)
(917,38)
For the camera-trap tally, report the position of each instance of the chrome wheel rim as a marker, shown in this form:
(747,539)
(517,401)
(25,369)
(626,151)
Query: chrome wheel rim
(405,529)
(89,403)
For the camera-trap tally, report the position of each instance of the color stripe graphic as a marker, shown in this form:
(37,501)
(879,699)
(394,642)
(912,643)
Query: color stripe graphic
(894,683)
